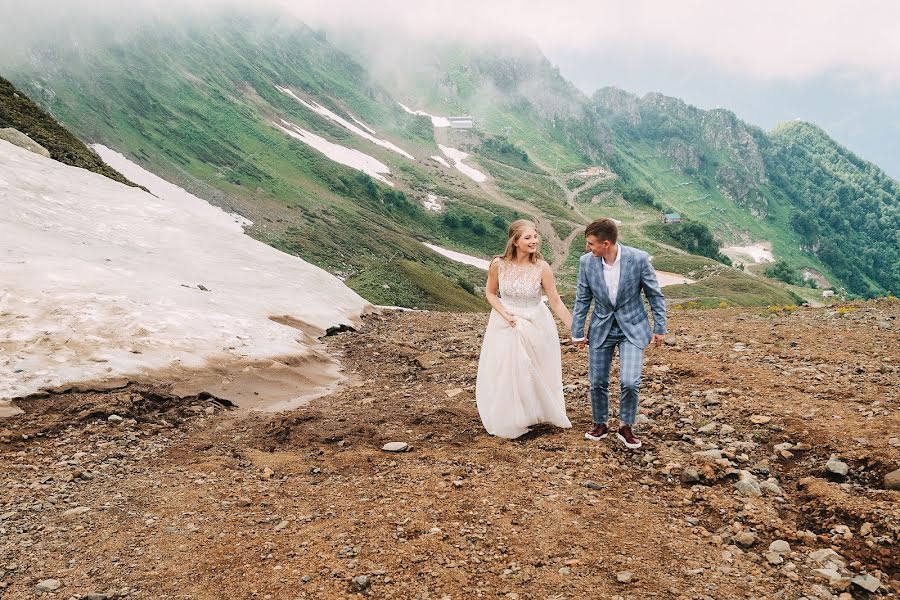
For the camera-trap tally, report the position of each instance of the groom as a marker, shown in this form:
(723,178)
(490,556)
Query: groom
(613,275)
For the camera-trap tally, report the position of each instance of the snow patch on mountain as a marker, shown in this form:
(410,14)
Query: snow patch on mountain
(435,120)
(99,281)
(459,257)
(457,156)
(366,135)
(350,157)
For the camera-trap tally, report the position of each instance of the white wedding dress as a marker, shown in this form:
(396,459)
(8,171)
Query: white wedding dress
(520,369)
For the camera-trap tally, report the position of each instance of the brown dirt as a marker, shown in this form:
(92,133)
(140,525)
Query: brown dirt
(188,499)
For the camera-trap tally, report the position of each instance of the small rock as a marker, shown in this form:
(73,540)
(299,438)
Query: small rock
(748,485)
(429,360)
(826,555)
(690,475)
(74,512)
(624,576)
(281,526)
(565,571)
(780,546)
(708,428)
(866,582)
(48,585)
(837,467)
(114,419)
(454,392)
(770,487)
(892,480)
(360,583)
(760,419)
(829,574)
(395,447)
(593,485)
(714,454)
(774,558)
(745,539)
(267,473)
(726,430)
(865,529)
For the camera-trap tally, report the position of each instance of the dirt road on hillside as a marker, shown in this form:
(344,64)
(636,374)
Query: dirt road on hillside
(133,493)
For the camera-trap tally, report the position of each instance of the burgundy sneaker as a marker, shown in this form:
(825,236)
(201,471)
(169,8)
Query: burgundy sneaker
(627,437)
(599,432)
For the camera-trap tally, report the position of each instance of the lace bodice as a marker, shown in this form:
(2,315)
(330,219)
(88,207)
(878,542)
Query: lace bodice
(520,285)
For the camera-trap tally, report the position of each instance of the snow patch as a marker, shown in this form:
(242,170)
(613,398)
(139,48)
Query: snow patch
(665,278)
(432,203)
(350,157)
(241,220)
(321,110)
(99,280)
(466,259)
(755,253)
(441,160)
(435,121)
(457,156)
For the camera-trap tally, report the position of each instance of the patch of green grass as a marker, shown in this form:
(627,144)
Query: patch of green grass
(415,285)
(734,288)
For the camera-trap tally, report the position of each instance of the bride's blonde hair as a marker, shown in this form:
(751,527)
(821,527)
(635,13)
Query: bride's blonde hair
(516,230)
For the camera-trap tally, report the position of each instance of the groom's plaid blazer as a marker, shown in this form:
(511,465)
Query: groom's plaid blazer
(636,274)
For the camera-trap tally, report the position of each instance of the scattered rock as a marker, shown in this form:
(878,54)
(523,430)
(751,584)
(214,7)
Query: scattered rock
(760,419)
(14,136)
(866,582)
(565,571)
(748,485)
(690,475)
(114,419)
(774,558)
(48,585)
(708,428)
(726,430)
(429,360)
(77,511)
(395,447)
(360,583)
(770,487)
(837,467)
(780,547)
(892,480)
(593,485)
(745,539)
(624,576)
(454,392)
(714,454)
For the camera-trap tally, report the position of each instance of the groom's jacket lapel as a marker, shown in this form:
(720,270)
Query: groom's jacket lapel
(624,266)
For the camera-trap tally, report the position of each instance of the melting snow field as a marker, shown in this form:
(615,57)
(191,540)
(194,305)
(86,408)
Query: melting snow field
(432,203)
(365,133)
(466,259)
(457,157)
(350,157)
(440,159)
(435,121)
(100,281)
(756,253)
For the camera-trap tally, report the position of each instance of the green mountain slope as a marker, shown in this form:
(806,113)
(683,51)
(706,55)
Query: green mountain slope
(205,105)
(20,113)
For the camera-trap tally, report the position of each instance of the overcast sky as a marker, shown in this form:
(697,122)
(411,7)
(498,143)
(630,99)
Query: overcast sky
(833,63)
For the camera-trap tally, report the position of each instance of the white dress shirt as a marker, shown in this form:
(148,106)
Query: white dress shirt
(611,279)
(611,275)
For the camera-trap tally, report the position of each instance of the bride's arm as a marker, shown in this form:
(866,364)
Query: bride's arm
(492,289)
(548,281)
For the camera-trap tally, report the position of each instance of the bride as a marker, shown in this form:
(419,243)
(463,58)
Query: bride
(520,369)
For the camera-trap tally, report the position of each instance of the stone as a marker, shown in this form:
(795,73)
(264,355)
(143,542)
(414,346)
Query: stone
(429,360)
(892,480)
(774,558)
(48,585)
(708,428)
(454,392)
(760,419)
(866,582)
(745,539)
(748,485)
(267,473)
(114,419)
(14,136)
(726,430)
(829,574)
(593,485)
(690,475)
(865,529)
(395,447)
(624,577)
(360,583)
(713,455)
(780,546)
(837,467)
(826,555)
(770,487)
(77,511)
(565,571)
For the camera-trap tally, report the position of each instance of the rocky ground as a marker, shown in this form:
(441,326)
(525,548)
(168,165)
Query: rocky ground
(770,440)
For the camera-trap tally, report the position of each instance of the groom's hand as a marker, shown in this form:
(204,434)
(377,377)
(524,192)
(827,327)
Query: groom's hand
(581,344)
(658,339)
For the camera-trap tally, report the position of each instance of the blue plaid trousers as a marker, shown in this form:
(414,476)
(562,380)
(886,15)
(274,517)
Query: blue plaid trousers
(631,363)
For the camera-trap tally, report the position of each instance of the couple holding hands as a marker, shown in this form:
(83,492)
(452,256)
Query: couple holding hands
(520,369)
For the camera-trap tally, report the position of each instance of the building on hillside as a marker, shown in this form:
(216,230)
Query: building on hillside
(670,218)
(462,123)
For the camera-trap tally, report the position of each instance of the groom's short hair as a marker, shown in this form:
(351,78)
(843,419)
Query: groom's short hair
(604,230)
